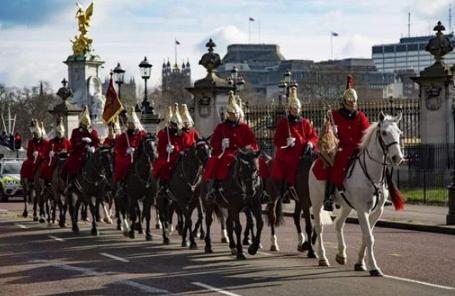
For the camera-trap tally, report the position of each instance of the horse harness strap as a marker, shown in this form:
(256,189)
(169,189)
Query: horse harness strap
(198,177)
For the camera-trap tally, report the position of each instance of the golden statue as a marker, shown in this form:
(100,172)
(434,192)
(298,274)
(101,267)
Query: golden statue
(82,44)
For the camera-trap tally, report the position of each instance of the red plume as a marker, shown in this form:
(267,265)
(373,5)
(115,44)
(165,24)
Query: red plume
(349,82)
(395,194)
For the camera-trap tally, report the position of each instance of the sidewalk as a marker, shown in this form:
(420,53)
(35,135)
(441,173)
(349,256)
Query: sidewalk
(413,217)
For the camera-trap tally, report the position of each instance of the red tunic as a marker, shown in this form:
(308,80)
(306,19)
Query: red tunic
(48,165)
(122,160)
(30,165)
(78,150)
(189,138)
(162,169)
(287,159)
(109,142)
(350,133)
(239,137)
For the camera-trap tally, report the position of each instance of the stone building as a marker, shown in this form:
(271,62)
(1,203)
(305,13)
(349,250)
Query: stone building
(174,80)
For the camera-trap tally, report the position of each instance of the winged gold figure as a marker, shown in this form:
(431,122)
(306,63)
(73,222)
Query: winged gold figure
(82,43)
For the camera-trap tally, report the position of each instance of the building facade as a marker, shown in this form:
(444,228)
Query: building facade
(174,81)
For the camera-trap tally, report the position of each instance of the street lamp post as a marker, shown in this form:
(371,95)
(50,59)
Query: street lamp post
(145,68)
(451,215)
(286,84)
(119,77)
(236,81)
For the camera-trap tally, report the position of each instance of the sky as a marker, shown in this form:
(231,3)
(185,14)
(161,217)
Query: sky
(35,34)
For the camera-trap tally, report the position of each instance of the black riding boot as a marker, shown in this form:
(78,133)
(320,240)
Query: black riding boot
(328,196)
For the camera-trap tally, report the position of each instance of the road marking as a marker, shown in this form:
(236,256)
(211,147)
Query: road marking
(21,226)
(59,239)
(145,288)
(211,288)
(114,257)
(419,282)
(264,253)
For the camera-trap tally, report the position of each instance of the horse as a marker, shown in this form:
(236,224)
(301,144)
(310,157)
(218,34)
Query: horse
(140,185)
(184,188)
(58,186)
(366,192)
(31,196)
(238,191)
(300,193)
(89,186)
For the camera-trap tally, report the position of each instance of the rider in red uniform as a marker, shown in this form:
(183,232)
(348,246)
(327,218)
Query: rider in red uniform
(59,144)
(228,137)
(36,151)
(83,138)
(112,134)
(126,144)
(349,125)
(189,134)
(169,147)
(294,137)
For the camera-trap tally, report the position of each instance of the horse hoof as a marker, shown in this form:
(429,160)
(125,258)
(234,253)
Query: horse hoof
(41,220)
(208,250)
(233,251)
(224,240)
(157,226)
(341,260)
(131,234)
(240,256)
(274,248)
(166,241)
(202,235)
(376,272)
(107,220)
(303,247)
(49,224)
(311,254)
(61,224)
(125,233)
(75,229)
(95,232)
(323,262)
(119,227)
(359,267)
(148,237)
(24,214)
(253,249)
(185,244)
(193,246)
(35,218)
(246,242)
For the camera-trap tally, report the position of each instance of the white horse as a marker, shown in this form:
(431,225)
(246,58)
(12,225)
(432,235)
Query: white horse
(365,191)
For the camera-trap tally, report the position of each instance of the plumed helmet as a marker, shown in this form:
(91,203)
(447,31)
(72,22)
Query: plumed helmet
(84,120)
(169,114)
(42,129)
(132,118)
(240,103)
(293,100)
(176,118)
(349,95)
(186,116)
(60,128)
(34,128)
(232,106)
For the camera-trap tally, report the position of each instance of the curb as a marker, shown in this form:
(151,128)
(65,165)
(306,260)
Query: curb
(399,225)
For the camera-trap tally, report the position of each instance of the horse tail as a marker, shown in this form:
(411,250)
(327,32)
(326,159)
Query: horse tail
(275,213)
(395,194)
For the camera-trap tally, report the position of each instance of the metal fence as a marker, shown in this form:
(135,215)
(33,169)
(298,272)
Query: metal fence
(425,174)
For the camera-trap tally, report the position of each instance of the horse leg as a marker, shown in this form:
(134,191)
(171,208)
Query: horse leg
(62,205)
(147,212)
(94,206)
(224,232)
(230,232)
(199,222)
(35,204)
(318,228)
(163,206)
(133,213)
(107,216)
(273,218)
(309,230)
(257,212)
(367,237)
(189,223)
(74,205)
(157,219)
(300,236)
(26,198)
(341,256)
(208,223)
(238,232)
(184,231)
(248,228)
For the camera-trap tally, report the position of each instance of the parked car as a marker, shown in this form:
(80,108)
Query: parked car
(10,180)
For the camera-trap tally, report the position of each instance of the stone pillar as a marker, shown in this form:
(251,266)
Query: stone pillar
(210,94)
(66,109)
(437,109)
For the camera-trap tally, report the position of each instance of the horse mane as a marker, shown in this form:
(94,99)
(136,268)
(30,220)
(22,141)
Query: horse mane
(369,132)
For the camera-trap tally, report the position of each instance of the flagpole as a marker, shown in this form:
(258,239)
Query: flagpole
(175,50)
(331,45)
(249,31)
(259,31)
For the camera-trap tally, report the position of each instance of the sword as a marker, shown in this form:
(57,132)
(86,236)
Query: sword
(50,158)
(168,142)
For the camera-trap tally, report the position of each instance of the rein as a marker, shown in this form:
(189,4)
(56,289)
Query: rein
(198,176)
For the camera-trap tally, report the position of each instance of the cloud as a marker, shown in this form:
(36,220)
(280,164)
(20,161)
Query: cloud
(357,46)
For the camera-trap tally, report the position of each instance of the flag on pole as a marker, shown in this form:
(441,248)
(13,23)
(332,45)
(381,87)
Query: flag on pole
(251,19)
(113,106)
(177,42)
(334,34)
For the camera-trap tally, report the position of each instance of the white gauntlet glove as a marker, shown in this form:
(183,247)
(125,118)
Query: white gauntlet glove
(35,153)
(335,129)
(91,149)
(130,151)
(169,148)
(86,140)
(225,143)
(290,142)
(51,154)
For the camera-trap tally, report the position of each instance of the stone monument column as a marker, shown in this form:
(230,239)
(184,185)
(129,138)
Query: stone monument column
(437,108)
(66,109)
(210,94)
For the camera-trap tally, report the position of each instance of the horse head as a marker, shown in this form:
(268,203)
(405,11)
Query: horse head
(148,148)
(203,150)
(105,161)
(388,134)
(248,169)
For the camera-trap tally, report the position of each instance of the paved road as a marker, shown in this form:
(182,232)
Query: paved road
(39,260)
